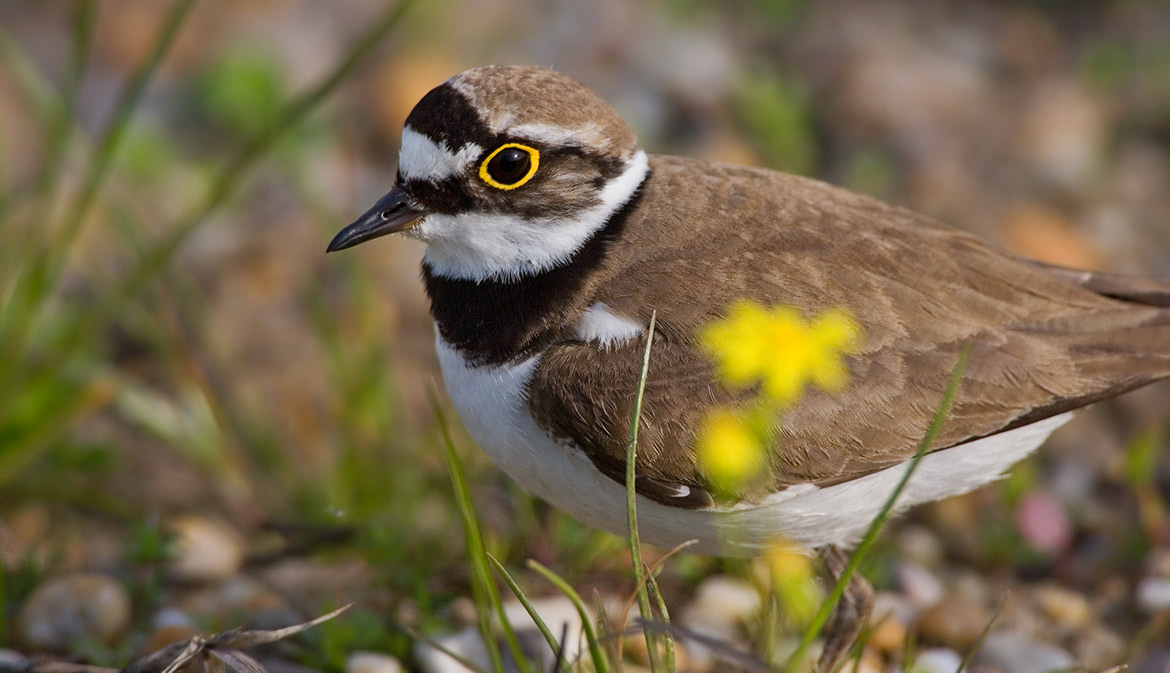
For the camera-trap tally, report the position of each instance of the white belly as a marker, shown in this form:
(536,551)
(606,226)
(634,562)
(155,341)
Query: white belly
(493,406)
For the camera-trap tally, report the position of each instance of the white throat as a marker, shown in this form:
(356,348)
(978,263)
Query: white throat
(482,246)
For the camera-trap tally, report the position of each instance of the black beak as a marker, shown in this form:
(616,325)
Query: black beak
(391,214)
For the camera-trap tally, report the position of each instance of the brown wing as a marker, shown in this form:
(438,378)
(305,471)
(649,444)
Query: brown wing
(584,392)
(1149,291)
(1042,343)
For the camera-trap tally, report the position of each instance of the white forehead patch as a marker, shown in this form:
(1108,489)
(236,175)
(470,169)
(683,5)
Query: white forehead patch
(421,158)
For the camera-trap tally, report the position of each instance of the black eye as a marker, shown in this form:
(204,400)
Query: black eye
(510,166)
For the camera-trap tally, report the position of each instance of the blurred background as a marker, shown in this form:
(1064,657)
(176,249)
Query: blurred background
(202,411)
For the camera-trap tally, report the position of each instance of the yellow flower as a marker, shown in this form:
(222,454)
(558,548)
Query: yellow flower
(729,451)
(793,582)
(777,348)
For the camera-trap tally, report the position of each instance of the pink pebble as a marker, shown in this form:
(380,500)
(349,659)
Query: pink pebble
(1043,522)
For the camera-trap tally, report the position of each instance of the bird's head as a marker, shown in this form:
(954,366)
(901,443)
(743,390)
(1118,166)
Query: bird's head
(505,171)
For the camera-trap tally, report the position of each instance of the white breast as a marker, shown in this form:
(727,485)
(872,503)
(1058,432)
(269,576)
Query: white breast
(492,402)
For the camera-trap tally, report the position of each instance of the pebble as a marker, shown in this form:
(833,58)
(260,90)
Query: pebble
(72,608)
(869,662)
(920,587)
(466,643)
(169,625)
(890,618)
(1063,130)
(721,605)
(955,621)
(1155,659)
(1158,562)
(937,660)
(921,545)
(11,661)
(204,550)
(1067,608)
(372,662)
(1013,652)
(724,598)
(889,636)
(1097,648)
(1153,594)
(230,599)
(557,612)
(1043,522)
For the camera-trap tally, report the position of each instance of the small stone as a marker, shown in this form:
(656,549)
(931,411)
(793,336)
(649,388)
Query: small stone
(890,621)
(73,608)
(1042,233)
(956,621)
(372,662)
(920,587)
(1153,594)
(1063,131)
(557,612)
(937,660)
(725,598)
(466,643)
(869,662)
(1155,659)
(204,550)
(168,635)
(720,607)
(1096,648)
(889,636)
(1158,562)
(1067,608)
(921,545)
(1043,522)
(231,599)
(12,661)
(1013,652)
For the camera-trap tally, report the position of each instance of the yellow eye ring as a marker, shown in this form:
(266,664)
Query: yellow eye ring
(485,168)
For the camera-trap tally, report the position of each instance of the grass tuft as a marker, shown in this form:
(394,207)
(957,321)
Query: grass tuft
(487,597)
(818,622)
(632,514)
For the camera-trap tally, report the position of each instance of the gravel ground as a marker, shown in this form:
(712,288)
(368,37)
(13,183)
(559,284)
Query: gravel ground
(161,514)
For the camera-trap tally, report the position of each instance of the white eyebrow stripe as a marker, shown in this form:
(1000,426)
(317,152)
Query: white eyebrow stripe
(422,158)
(553,135)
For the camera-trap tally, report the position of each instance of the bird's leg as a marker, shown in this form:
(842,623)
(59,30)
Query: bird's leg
(851,613)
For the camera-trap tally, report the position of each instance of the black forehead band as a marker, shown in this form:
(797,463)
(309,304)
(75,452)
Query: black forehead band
(446,116)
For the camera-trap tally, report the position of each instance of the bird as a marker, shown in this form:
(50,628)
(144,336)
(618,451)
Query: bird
(553,239)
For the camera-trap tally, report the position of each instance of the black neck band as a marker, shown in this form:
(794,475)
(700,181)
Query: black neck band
(496,321)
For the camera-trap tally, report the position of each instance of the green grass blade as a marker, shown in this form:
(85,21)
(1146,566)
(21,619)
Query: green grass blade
(48,257)
(858,555)
(476,552)
(115,131)
(600,662)
(631,502)
(61,127)
(230,178)
(523,598)
(33,87)
(668,640)
(85,329)
(487,599)
(768,628)
(978,644)
(605,634)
